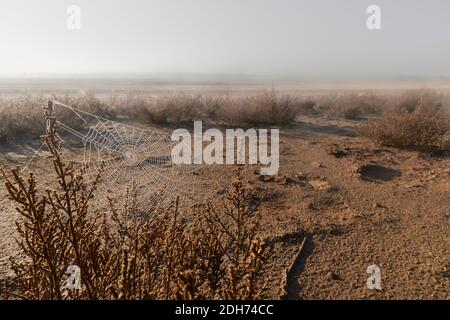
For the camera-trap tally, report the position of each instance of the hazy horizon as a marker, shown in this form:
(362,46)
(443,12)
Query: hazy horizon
(232,77)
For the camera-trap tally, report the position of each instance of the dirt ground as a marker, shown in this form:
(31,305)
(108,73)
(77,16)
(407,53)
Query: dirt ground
(357,205)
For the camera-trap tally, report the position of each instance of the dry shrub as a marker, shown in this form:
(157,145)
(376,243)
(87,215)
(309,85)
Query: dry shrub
(350,105)
(21,117)
(306,105)
(229,257)
(87,102)
(171,110)
(122,255)
(178,109)
(415,120)
(265,109)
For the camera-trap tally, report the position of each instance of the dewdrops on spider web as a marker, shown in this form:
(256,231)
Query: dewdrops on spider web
(136,162)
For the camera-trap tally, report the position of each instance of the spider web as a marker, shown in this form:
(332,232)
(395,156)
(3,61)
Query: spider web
(136,162)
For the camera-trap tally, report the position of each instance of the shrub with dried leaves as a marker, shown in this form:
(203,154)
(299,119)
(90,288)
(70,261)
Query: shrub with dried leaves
(416,122)
(122,255)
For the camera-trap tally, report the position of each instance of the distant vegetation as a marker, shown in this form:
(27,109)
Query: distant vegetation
(413,119)
(23,116)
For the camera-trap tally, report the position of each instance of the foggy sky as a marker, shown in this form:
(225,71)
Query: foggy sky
(315,38)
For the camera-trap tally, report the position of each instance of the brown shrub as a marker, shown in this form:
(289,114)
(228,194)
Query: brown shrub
(306,106)
(21,117)
(350,105)
(179,109)
(416,122)
(87,102)
(265,109)
(218,256)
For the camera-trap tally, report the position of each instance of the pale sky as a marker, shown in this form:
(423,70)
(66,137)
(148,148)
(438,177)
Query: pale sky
(314,38)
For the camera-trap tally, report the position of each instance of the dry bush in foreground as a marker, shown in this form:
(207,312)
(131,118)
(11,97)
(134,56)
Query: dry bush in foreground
(121,255)
(415,121)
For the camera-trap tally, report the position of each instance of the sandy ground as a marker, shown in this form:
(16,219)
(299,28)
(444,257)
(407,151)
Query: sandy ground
(366,206)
